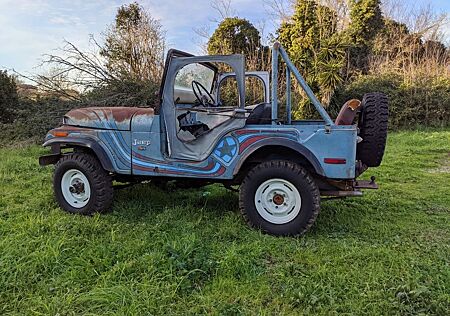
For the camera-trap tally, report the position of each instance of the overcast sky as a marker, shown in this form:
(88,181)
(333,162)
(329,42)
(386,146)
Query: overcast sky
(30,28)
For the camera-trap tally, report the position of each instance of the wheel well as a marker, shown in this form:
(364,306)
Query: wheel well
(77,145)
(273,152)
(100,156)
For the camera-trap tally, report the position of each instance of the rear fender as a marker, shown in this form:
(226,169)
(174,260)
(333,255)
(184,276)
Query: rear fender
(301,150)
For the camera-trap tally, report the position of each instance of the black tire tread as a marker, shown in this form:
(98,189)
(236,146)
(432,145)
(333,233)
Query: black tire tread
(373,128)
(296,170)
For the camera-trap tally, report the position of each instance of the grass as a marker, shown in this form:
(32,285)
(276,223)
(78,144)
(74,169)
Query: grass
(189,251)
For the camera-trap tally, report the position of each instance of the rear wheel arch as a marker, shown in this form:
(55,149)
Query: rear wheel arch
(285,150)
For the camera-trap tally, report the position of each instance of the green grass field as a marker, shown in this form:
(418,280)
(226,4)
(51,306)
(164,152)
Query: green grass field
(189,251)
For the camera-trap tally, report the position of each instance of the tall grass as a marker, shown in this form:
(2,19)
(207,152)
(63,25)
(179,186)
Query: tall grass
(180,252)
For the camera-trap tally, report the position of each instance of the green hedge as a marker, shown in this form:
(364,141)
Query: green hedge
(421,103)
(32,119)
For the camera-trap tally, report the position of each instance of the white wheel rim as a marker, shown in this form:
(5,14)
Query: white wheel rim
(278,201)
(75,188)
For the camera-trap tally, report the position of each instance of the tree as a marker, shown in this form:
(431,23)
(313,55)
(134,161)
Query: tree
(134,45)
(299,36)
(239,36)
(366,22)
(125,70)
(234,36)
(315,47)
(8,97)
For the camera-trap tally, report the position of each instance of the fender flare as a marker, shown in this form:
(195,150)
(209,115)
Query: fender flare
(293,145)
(99,151)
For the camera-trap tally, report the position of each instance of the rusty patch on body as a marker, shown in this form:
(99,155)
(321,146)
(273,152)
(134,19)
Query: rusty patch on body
(118,118)
(119,114)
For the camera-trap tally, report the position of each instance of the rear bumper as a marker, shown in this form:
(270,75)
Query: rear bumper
(350,188)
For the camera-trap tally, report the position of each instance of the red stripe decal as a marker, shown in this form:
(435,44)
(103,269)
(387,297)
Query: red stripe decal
(248,142)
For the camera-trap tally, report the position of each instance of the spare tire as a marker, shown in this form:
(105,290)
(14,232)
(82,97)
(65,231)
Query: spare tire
(373,124)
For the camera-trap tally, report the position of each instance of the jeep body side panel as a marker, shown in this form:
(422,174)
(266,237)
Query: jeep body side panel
(139,152)
(311,141)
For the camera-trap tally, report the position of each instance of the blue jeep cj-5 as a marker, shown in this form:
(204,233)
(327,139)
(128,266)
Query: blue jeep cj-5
(195,137)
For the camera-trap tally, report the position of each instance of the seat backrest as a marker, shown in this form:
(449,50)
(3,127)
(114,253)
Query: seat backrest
(348,112)
(261,114)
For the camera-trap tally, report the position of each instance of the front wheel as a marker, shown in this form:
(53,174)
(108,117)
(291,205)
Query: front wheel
(81,185)
(280,198)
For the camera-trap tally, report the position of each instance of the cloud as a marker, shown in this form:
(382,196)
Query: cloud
(33,28)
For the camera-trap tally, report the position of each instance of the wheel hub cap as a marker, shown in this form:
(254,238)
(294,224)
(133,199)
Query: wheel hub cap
(278,201)
(75,188)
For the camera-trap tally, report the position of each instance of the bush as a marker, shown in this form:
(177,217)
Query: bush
(125,93)
(424,102)
(8,97)
(33,119)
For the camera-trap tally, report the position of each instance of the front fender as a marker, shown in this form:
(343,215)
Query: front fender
(56,144)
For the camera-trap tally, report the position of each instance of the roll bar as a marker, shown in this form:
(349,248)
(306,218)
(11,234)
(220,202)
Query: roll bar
(277,50)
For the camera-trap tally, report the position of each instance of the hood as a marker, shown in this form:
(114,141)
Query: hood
(113,118)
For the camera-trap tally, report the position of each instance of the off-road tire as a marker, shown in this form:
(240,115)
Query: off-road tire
(99,180)
(373,125)
(295,174)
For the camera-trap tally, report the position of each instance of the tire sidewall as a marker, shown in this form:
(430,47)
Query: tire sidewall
(300,222)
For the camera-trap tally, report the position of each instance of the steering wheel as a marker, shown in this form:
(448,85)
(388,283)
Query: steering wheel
(197,88)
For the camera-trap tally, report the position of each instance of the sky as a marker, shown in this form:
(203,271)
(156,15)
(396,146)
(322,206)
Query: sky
(31,28)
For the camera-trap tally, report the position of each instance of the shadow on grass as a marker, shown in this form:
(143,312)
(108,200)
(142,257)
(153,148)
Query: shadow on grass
(145,201)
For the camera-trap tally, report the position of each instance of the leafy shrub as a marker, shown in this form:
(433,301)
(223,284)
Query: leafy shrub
(125,93)
(424,102)
(8,97)
(32,119)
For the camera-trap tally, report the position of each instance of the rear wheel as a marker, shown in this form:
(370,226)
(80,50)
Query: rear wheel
(81,185)
(280,198)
